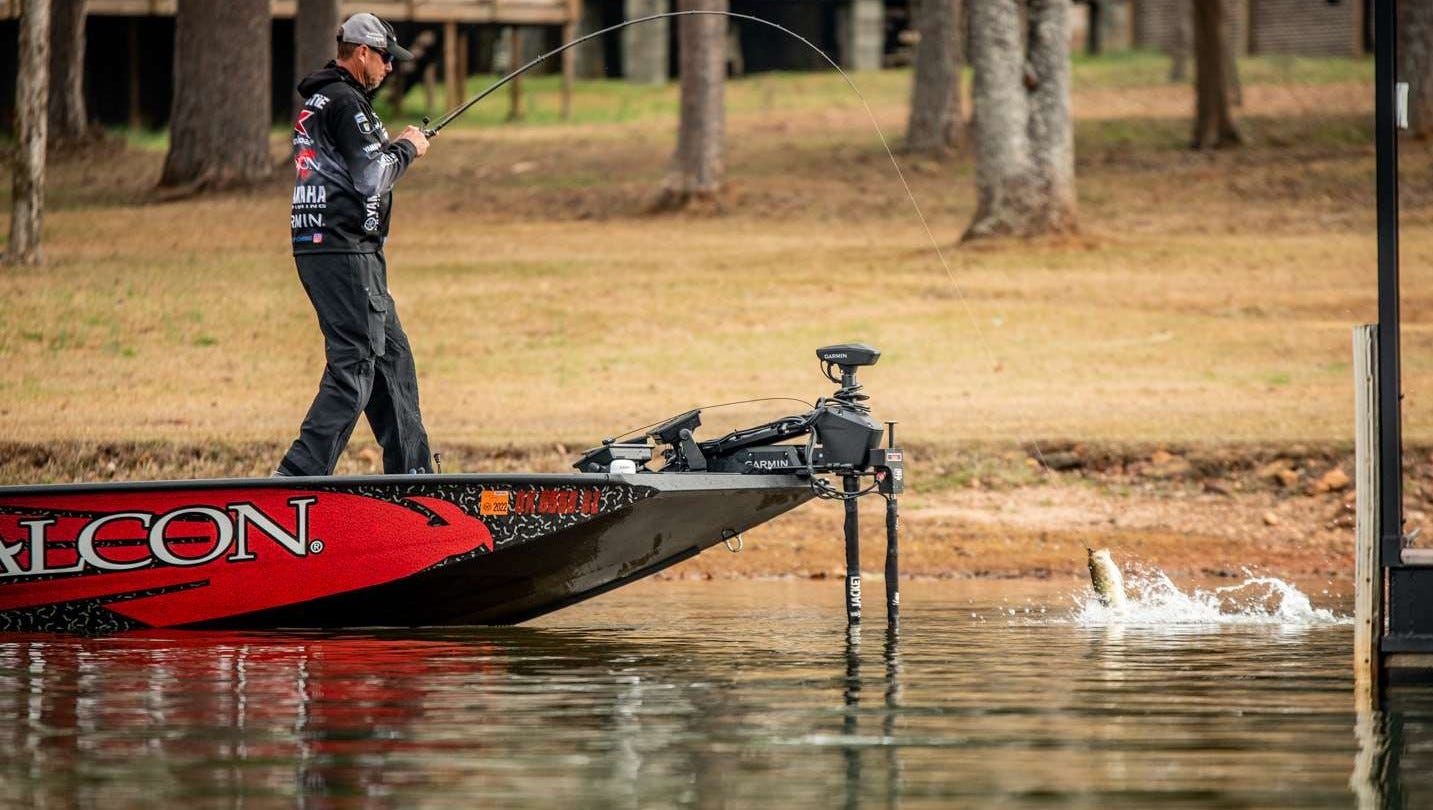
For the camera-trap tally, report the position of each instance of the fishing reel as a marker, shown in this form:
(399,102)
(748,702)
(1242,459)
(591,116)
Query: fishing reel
(841,438)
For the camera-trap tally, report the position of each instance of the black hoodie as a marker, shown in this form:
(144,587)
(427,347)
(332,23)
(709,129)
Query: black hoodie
(346,167)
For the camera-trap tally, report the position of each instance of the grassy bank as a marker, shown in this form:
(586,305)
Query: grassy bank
(981,510)
(1208,299)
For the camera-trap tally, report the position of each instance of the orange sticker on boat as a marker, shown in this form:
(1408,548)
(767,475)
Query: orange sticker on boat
(494,503)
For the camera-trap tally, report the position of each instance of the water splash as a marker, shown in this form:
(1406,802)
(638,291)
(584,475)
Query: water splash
(1154,599)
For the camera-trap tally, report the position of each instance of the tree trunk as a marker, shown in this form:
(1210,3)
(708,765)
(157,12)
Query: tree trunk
(68,117)
(315,40)
(1179,43)
(32,91)
(1095,28)
(935,120)
(219,123)
(1004,172)
(1052,131)
(1213,123)
(1231,60)
(700,163)
(644,47)
(1415,64)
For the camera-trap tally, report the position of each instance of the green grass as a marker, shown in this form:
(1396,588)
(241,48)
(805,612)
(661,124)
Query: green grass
(1151,68)
(1207,299)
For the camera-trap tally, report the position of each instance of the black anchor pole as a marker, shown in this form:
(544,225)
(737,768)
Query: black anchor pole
(852,485)
(893,567)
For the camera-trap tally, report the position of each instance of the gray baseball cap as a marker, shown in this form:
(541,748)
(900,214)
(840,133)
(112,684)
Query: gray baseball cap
(366,29)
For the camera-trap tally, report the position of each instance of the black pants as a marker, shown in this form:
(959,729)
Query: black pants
(369,371)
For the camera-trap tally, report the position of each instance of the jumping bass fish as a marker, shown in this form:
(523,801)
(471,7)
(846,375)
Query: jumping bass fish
(1106,579)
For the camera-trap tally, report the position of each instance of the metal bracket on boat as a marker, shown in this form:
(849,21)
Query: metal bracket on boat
(727,536)
(599,459)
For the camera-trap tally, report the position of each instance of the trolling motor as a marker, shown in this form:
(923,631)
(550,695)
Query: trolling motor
(841,439)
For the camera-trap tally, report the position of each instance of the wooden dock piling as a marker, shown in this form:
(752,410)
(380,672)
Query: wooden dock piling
(1368,565)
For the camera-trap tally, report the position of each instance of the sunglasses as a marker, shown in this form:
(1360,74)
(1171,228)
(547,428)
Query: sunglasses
(384,55)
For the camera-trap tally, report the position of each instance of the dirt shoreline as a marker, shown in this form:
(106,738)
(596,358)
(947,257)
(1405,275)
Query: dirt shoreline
(1206,512)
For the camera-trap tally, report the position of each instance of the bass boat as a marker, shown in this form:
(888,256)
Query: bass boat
(421,550)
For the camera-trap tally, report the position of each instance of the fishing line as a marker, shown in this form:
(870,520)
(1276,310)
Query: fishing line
(710,407)
(930,235)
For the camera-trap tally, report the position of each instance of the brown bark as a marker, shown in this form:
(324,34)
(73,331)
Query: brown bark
(936,116)
(699,166)
(452,81)
(315,40)
(644,47)
(1004,182)
(1179,44)
(32,90)
(1213,123)
(1231,71)
(1024,141)
(1415,63)
(515,105)
(219,124)
(1052,131)
(69,119)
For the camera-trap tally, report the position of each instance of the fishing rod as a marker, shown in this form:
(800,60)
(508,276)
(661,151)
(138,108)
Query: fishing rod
(448,118)
(983,340)
(849,357)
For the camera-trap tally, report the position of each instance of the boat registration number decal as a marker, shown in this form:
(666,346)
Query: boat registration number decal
(494,503)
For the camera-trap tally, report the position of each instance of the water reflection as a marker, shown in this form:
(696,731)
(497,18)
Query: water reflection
(1394,765)
(682,695)
(886,770)
(191,713)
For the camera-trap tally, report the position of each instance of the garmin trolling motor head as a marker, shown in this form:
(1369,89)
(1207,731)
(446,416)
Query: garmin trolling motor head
(844,428)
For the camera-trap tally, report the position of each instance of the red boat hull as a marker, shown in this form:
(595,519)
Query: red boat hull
(325,552)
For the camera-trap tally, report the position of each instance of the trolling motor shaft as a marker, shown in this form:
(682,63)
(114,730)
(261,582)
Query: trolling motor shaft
(842,440)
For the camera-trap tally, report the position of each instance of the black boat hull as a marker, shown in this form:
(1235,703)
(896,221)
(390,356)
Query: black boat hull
(354,552)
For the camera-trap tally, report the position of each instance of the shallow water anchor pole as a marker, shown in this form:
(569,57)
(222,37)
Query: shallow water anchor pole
(893,570)
(852,485)
(893,567)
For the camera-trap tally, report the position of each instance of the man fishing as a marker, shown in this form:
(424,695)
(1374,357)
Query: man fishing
(343,192)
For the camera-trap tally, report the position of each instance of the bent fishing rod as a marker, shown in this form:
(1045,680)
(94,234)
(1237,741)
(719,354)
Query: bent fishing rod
(430,131)
(851,487)
(435,128)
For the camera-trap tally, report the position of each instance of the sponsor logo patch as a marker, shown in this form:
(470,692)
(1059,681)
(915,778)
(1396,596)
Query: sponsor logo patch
(494,503)
(305,162)
(226,532)
(557,502)
(310,198)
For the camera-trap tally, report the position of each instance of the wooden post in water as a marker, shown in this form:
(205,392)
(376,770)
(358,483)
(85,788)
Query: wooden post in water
(515,111)
(136,115)
(569,58)
(1368,563)
(453,83)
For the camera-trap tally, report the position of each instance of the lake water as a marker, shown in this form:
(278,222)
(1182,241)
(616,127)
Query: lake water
(740,695)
